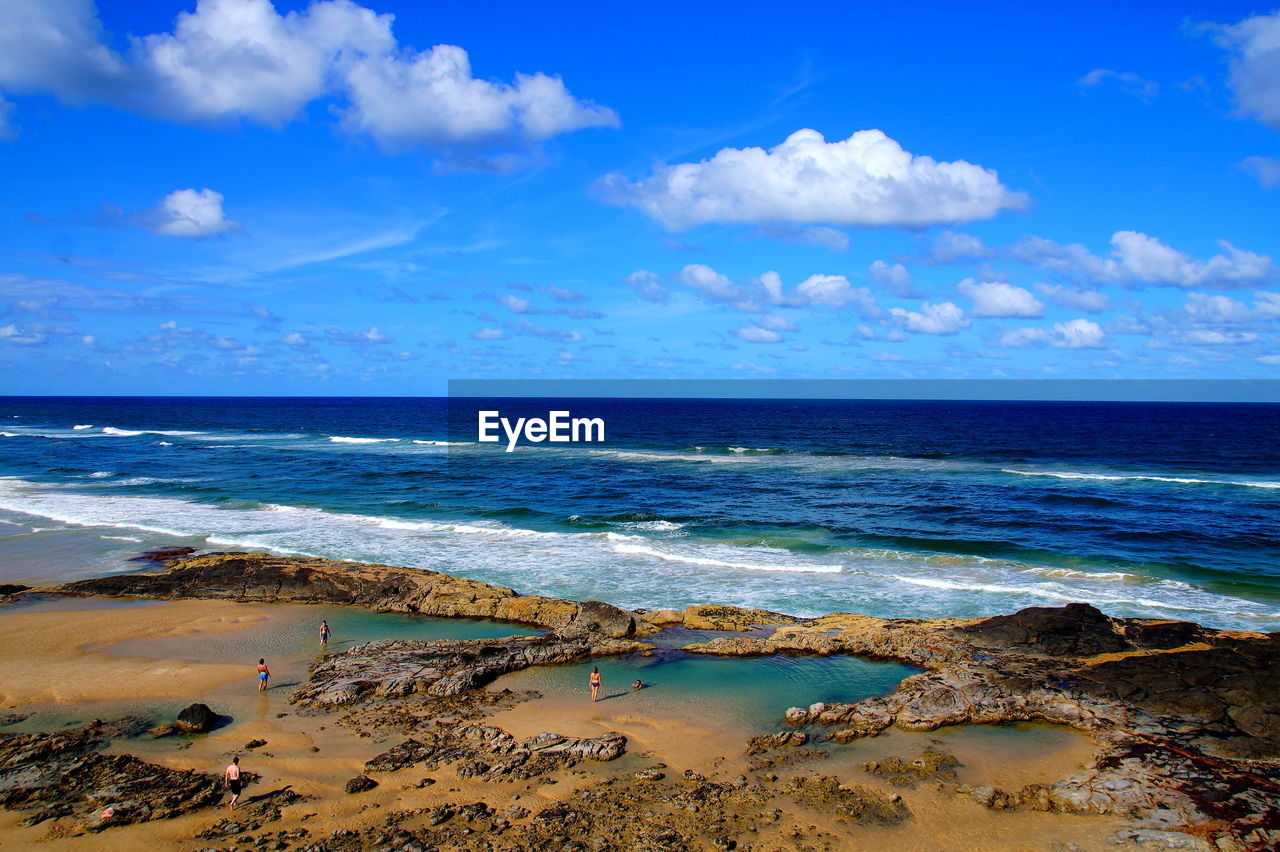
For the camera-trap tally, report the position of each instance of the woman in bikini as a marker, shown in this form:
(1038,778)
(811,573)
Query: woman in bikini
(263,674)
(595,683)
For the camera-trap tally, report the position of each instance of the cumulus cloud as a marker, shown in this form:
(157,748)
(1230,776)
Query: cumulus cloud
(647,285)
(188,213)
(1254,48)
(293,338)
(1073,334)
(865,180)
(932,318)
(489,334)
(1128,82)
(1077,298)
(895,277)
(1265,169)
(516,304)
(1138,258)
(242,59)
(711,284)
(561,335)
(997,299)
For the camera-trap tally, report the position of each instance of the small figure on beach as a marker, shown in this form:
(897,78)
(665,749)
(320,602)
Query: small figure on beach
(324,633)
(595,683)
(637,685)
(264,674)
(234,784)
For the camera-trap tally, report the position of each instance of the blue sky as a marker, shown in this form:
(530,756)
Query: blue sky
(238,198)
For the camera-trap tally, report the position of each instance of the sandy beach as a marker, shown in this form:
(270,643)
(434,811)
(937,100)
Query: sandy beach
(74,655)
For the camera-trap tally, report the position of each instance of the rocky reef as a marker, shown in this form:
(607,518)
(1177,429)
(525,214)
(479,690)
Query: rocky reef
(63,775)
(1187,718)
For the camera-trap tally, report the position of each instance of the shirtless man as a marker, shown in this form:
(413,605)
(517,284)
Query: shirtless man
(234,784)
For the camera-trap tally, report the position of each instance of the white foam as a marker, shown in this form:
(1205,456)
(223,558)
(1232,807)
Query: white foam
(9,435)
(340,439)
(686,559)
(83,426)
(442,443)
(133,433)
(101,474)
(1106,477)
(131,538)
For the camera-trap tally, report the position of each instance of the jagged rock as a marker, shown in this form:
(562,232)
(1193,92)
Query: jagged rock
(783,739)
(9,590)
(252,744)
(929,766)
(163,554)
(1187,732)
(850,801)
(360,784)
(400,667)
(490,752)
(196,719)
(62,774)
(710,617)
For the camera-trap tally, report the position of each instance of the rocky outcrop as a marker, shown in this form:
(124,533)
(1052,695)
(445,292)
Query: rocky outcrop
(264,578)
(395,668)
(1187,718)
(62,774)
(490,753)
(196,719)
(710,617)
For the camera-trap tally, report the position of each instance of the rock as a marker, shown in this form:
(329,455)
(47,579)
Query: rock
(709,617)
(797,716)
(653,773)
(489,751)
(166,730)
(663,617)
(252,744)
(360,784)
(274,579)
(196,719)
(62,774)
(783,739)
(858,804)
(163,554)
(9,590)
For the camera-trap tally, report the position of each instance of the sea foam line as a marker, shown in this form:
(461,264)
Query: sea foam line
(1106,477)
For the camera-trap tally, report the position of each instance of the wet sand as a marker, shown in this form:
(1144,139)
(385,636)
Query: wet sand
(72,660)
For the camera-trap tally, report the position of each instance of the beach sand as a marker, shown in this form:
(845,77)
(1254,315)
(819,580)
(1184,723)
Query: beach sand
(72,660)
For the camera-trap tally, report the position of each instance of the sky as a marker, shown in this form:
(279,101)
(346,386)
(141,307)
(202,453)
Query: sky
(235,197)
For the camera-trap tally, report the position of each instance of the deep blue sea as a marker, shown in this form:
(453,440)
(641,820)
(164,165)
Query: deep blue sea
(889,508)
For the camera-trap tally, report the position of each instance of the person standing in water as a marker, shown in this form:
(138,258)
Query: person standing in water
(595,683)
(263,674)
(324,633)
(234,784)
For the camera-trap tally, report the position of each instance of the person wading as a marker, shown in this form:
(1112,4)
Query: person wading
(595,683)
(264,674)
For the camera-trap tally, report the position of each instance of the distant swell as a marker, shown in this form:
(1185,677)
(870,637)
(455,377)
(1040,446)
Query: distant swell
(1107,477)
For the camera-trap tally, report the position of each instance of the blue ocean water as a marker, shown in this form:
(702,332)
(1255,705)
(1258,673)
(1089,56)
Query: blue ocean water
(892,508)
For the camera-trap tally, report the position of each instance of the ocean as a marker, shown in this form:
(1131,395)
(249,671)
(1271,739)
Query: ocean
(890,508)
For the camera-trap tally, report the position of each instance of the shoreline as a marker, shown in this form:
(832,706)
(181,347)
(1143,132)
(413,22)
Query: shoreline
(1022,652)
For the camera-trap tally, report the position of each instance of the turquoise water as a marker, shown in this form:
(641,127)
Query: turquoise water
(754,692)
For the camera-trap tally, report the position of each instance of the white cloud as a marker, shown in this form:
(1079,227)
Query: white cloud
(242,59)
(1089,301)
(832,291)
(711,284)
(827,237)
(1138,258)
(518,305)
(1073,334)
(895,277)
(1129,82)
(188,213)
(358,338)
(1265,169)
(1213,337)
(1254,45)
(1204,308)
(932,318)
(1267,305)
(997,299)
(489,334)
(646,284)
(867,179)
(755,334)
(950,246)
(293,338)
